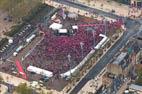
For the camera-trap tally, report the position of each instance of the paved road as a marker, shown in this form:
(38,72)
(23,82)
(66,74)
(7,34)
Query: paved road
(106,58)
(103,62)
(130,24)
(86,8)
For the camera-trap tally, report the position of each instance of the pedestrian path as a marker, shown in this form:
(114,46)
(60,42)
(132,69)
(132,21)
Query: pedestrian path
(123,87)
(94,84)
(111,6)
(16,81)
(73,9)
(12,79)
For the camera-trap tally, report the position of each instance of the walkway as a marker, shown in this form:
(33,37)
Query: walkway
(108,6)
(12,79)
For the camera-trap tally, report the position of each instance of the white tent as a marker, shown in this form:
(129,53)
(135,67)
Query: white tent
(63,31)
(54,16)
(15,54)
(56,26)
(102,42)
(75,27)
(30,38)
(19,48)
(69,73)
(10,41)
(40,71)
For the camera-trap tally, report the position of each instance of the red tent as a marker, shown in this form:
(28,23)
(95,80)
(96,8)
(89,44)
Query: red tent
(20,69)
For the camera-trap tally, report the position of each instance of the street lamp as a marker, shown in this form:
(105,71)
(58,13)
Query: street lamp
(81,46)
(94,41)
(105,24)
(69,59)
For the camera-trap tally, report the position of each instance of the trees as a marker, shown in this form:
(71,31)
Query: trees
(23,89)
(139,74)
(1,79)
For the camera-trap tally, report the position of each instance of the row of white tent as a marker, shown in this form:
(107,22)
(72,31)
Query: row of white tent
(59,27)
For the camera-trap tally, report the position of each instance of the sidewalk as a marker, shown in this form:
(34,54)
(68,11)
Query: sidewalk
(104,5)
(94,84)
(12,79)
(76,10)
(16,81)
(123,87)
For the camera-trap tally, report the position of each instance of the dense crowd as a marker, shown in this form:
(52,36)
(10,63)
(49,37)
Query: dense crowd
(55,50)
(52,53)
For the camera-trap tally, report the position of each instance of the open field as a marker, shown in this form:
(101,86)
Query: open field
(5,25)
(18,8)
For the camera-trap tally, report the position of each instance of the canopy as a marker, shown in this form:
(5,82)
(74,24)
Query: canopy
(56,26)
(102,42)
(63,31)
(40,71)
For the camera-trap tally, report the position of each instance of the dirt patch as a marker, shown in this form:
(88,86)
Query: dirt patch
(5,25)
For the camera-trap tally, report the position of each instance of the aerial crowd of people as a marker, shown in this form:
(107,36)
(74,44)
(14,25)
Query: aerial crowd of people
(53,51)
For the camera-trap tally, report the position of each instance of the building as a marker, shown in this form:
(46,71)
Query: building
(106,80)
(120,65)
(139,57)
(3,89)
(135,88)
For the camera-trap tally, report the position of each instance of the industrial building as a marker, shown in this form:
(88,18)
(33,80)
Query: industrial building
(135,88)
(120,66)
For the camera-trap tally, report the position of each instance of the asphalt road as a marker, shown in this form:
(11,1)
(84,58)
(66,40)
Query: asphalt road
(103,62)
(131,30)
(86,8)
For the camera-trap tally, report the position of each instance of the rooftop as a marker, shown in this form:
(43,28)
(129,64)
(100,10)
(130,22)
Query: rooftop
(120,58)
(135,87)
